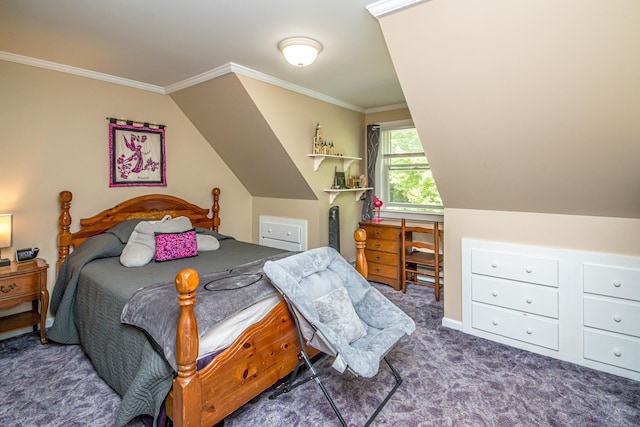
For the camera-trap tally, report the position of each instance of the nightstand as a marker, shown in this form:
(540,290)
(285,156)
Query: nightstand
(20,283)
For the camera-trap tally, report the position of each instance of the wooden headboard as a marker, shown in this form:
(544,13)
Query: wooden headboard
(152,207)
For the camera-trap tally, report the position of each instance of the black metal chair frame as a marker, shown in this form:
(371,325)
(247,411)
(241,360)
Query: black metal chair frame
(299,377)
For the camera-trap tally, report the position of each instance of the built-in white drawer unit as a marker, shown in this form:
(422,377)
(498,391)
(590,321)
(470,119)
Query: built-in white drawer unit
(512,324)
(578,306)
(515,266)
(534,299)
(613,349)
(283,233)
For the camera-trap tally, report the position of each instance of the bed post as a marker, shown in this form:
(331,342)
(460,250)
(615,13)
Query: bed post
(64,223)
(216,209)
(187,388)
(361,261)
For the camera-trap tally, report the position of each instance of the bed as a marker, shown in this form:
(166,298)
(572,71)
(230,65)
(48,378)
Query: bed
(197,388)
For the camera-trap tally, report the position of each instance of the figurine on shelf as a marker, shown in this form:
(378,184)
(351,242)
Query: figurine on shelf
(317,140)
(377,204)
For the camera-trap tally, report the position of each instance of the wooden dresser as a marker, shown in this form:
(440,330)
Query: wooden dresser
(382,251)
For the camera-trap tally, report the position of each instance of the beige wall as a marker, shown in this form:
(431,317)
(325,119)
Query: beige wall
(293,117)
(55,137)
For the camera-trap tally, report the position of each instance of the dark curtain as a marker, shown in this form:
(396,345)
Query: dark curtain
(373,143)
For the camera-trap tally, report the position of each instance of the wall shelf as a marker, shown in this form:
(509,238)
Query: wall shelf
(333,193)
(318,158)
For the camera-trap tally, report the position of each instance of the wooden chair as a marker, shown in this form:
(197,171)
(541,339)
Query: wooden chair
(421,256)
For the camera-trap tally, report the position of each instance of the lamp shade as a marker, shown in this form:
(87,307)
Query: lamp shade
(6,228)
(300,51)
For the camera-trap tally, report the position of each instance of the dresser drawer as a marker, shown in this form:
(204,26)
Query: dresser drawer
(612,315)
(541,300)
(383,270)
(383,245)
(612,349)
(15,286)
(519,326)
(381,233)
(285,232)
(378,257)
(513,266)
(612,281)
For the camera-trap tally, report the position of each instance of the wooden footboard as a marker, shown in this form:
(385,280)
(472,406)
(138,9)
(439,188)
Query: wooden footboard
(263,354)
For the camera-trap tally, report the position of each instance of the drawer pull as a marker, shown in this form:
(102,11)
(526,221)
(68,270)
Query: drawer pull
(494,293)
(6,290)
(495,322)
(617,284)
(377,258)
(494,264)
(529,331)
(377,245)
(378,270)
(528,269)
(529,300)
(288,233)
(617,318)
(617,353)
(377,233)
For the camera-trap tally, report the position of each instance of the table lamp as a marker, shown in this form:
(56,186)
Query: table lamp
(6,222)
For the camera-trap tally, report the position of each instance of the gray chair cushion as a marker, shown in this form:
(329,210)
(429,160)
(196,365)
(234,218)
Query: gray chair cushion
(303,278)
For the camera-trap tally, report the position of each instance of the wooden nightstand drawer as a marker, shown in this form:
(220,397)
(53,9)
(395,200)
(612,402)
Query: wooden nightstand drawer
(389,271)
(19,285)
(381,257)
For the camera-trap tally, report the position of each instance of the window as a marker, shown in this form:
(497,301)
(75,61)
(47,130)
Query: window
(405,182)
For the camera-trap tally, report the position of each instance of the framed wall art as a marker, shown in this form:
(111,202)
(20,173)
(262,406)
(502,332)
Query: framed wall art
(136,154)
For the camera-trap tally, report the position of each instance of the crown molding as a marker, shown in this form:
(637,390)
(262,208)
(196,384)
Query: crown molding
(192,81)
(386,108)
(26,60)
(385,7)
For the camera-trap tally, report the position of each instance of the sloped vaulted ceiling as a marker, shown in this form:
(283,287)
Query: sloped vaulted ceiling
(224,113)
(530,106)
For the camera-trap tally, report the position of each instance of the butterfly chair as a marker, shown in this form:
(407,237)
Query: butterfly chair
(339,313)
(421,256)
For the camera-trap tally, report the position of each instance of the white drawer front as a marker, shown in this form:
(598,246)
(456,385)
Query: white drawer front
(612,281)
(524,268)
(515,325)
(612,349)
(541,300)
(612,315)
(284,232)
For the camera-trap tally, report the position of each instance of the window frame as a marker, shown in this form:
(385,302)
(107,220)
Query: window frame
(381,189)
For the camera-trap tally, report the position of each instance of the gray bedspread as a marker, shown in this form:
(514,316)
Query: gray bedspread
(91,291)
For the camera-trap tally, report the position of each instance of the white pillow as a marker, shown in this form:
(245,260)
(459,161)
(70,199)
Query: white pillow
(337,312)
(207,242)
(141,247)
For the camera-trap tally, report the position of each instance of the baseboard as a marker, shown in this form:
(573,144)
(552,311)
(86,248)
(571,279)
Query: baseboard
(452,324)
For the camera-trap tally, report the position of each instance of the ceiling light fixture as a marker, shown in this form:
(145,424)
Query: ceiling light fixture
(300,51)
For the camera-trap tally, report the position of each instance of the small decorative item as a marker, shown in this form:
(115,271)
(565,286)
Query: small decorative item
(377,204)
(341,180)
(137,154)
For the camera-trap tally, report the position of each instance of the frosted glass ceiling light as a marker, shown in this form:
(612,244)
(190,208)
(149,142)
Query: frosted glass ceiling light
(300,51)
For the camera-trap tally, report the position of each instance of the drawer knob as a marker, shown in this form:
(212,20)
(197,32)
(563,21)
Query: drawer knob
(617,353)
(528,269)
(377,245)
(495,322)
(494,264)
(529,331)
(494,293)
(529,300)
(288,233)
(377,257)
(617,284)
(617,318)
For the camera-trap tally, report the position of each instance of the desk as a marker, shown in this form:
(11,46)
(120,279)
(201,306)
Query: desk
(382,250)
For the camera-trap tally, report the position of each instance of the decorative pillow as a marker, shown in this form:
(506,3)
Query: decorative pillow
(336,311)
(176,245)
(141,247)
(207,242)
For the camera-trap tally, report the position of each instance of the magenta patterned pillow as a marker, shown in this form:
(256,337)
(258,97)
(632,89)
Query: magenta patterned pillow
(176,245)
